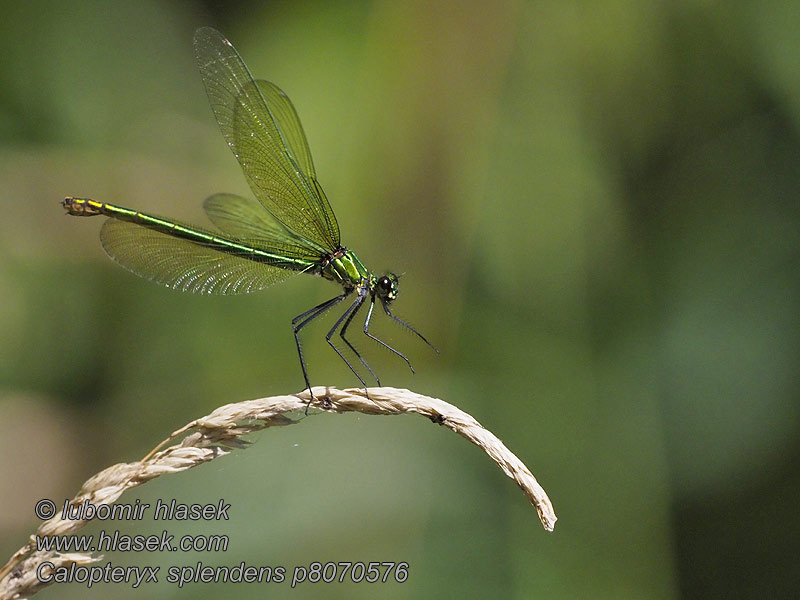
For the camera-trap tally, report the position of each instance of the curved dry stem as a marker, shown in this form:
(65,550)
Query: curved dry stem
(218,433)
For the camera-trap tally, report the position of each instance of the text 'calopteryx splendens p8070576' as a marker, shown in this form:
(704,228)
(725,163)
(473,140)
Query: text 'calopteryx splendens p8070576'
(288,228)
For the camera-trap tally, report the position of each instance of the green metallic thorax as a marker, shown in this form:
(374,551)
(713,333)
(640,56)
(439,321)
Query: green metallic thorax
(346,269)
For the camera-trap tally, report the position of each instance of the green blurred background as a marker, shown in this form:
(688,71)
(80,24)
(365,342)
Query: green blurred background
(596,209)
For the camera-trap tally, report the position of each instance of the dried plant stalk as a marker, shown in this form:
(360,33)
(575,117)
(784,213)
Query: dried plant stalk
(218,433)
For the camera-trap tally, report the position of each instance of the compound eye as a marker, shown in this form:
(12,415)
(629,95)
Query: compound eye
(385,284)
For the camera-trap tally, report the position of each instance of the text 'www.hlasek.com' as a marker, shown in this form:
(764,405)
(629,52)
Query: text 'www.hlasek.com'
(108,540)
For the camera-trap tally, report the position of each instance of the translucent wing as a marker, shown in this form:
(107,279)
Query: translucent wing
(288,123)
(274,162)
(246,220)
(184,265)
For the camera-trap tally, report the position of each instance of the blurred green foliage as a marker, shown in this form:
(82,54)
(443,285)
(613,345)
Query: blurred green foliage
(596,208)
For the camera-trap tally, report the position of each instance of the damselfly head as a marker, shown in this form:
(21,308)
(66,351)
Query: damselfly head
(386,287)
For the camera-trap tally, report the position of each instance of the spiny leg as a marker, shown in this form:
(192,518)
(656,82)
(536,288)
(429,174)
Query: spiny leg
(407,326)
(353,307)
(313,313)
(343,330)
(304,319)
(381,342)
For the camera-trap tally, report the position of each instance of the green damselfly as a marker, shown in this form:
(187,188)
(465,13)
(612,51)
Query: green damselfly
(288,228)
